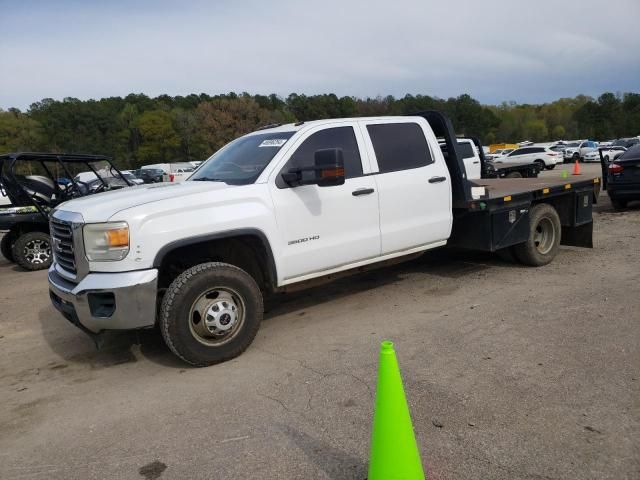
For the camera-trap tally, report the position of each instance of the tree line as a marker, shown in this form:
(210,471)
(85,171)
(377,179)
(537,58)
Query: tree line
(137,130)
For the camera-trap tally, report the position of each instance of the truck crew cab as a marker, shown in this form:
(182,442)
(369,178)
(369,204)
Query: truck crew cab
(282,208)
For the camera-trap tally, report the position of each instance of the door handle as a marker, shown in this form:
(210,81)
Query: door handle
(362,191)
(437,179)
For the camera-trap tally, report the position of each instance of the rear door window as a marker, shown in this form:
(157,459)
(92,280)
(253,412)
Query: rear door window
(399,146)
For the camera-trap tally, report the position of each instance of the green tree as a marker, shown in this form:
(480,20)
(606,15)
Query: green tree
(160,142)
(19,132)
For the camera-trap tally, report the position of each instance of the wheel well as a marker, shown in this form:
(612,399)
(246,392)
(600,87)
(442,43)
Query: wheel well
(248,252)
(26,227)
(564,206)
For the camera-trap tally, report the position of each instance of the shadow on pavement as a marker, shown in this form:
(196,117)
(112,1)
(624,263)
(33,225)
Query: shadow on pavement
(337,464)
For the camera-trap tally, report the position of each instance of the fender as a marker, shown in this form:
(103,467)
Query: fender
(271,264)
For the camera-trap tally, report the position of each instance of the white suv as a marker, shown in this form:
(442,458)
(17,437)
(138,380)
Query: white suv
(543,156)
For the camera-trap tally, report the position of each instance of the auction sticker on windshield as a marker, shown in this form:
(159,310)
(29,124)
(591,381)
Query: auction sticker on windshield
(273,142)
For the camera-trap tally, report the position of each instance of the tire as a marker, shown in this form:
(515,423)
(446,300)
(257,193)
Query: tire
(6,246)
(215,289)
(544,237)
(550,167)
(32,251)
(576,156)
(513,175)
(540,163)
(619,204)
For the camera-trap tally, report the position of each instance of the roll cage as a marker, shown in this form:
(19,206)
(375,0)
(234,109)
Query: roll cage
(44,192)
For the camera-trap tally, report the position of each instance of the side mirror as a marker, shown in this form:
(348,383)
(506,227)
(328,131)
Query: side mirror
(329,165)
(327,170)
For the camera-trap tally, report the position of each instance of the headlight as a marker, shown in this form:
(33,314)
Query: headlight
(106,241)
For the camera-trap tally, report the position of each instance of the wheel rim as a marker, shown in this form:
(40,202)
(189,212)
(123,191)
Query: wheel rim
(544,236)
(216,317)
(37,252)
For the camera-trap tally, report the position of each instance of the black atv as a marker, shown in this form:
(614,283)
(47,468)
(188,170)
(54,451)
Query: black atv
(35,183)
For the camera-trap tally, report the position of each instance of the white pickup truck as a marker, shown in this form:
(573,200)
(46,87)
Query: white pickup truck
(284,208)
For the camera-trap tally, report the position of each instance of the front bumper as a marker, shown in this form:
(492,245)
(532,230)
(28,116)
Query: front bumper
(107,301)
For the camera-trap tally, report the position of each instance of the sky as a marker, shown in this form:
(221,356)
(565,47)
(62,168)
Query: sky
(495,50)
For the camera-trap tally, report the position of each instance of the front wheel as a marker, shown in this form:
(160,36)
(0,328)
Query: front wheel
(32,251)
(544,237)
(211,313)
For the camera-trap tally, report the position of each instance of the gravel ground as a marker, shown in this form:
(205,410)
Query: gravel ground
(511,373)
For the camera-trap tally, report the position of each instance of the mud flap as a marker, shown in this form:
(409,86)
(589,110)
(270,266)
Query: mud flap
(580,236)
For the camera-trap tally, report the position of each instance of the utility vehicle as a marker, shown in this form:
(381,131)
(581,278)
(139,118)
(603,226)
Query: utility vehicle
(287,207)
(36,183)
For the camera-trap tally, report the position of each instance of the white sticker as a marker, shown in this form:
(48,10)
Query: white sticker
(274,142)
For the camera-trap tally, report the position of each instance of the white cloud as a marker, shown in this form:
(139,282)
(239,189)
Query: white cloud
(494,50)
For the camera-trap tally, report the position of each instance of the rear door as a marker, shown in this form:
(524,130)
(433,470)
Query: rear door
(326,228)
(413,184)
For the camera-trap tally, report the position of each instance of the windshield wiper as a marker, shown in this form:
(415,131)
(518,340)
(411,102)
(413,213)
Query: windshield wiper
(207,179)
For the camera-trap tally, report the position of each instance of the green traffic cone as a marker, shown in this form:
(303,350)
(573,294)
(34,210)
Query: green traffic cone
(394,452)
(564,174)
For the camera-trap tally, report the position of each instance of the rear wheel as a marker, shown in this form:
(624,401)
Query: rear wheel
(32,251)
(540,164)
(550,167)
(211,313)
(513,175)
(619,204)
(6,246)
(544,237)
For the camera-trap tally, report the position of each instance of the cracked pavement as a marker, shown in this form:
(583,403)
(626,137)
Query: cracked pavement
(510,372)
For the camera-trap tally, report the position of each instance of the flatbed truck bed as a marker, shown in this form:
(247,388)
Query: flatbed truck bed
(499,219)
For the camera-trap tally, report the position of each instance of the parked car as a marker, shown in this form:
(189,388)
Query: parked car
(559,148)
(285,208)
(179,174)
(623,179)
(132,177)
(578,152)
(626,142)
(500,152)
(543,156)
(608,153)
(150,175)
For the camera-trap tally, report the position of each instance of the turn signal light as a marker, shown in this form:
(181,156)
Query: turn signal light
(118,238)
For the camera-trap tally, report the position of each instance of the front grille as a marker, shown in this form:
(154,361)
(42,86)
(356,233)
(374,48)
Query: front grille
(62,243)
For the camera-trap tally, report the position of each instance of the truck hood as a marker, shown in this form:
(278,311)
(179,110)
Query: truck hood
(100,207)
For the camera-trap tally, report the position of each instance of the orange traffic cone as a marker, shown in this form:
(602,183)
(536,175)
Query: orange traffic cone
(576,168)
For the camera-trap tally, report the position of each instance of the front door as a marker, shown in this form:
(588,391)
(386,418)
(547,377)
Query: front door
(327,228)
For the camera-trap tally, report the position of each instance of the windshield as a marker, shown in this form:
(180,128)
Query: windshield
(242,161)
